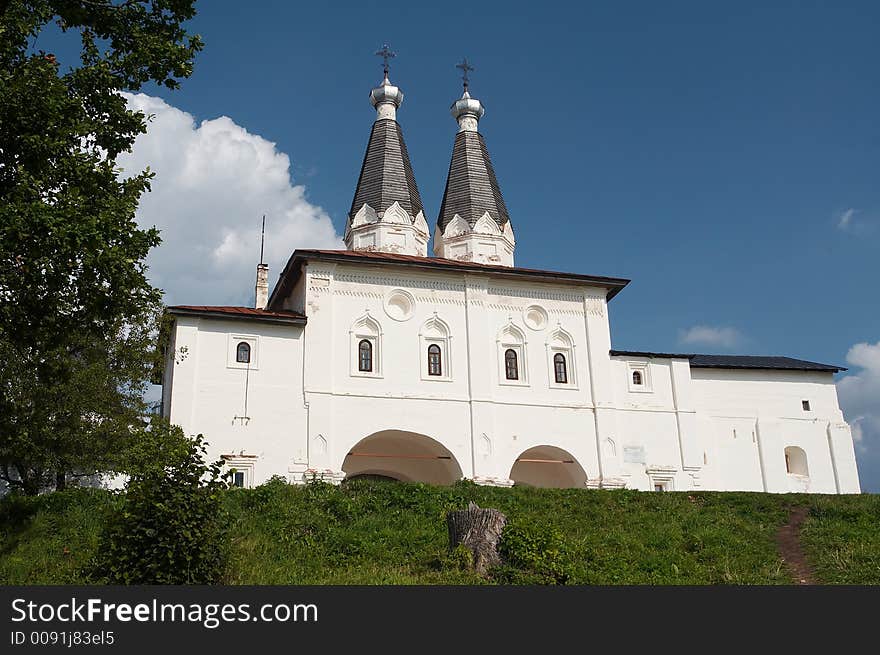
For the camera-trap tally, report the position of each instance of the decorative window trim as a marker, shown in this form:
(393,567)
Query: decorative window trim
(435,332)
(561,343)
(535,317)
(399,305)
(366,328)
(644,369)
(243,464)
(511,337)
(251,340)
(661,476)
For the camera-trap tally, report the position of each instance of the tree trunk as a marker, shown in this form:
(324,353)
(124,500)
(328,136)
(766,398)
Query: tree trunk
(60,481)
(478,530)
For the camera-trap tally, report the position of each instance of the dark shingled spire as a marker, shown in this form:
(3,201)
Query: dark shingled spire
(471,187)
(386,174)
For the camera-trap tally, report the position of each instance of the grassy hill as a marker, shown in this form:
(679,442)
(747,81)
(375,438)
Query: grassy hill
(371,532)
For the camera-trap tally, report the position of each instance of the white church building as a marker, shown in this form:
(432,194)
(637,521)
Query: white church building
(382,360)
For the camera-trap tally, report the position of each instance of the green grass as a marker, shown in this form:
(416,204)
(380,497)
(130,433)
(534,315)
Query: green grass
(369,532)
(842,538)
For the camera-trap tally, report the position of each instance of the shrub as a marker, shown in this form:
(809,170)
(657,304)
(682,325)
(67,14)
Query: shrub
(532,555)
(171,528)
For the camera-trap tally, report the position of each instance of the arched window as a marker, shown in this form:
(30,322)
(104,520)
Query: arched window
(511,369)
(365,356)
(243,353)
(560,369)
(637,378)
(796,461)
(435,365)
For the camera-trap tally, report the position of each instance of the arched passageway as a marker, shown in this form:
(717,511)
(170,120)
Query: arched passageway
(548,467)
(405,456)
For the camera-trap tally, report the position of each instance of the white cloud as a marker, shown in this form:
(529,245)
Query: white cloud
(859,394)
(854,221)
(707,335)
(213,183)
(845,219)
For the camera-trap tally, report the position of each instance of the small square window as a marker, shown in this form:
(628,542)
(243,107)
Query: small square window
(659,486)
(639,377)
(242,471)
(806,405)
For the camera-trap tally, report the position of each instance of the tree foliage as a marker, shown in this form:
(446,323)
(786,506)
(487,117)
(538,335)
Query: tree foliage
(76,306)
(171,528)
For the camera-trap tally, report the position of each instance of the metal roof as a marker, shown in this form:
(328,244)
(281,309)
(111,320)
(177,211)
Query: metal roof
(386,173)
(471,186)
(737,361)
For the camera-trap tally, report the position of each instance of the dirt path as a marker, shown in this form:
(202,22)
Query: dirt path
(789,543)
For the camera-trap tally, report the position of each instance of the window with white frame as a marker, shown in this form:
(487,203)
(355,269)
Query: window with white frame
(366,347)
(511,364)
(512,356)
(241,469)
(561,361)
(435,360)
(661,478)
(242,351)
(435,348)
(639,376)
(365,356)
(560,369)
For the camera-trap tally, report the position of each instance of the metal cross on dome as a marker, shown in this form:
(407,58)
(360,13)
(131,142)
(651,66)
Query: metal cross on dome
(386,53)
(465,69)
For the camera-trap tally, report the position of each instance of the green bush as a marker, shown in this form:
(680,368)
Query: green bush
(532,554)
(171,528)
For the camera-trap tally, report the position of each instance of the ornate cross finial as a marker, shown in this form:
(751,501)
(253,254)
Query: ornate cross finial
(465,69)
(386,53)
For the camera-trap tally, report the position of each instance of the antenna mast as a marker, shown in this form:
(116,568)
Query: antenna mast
(262,239)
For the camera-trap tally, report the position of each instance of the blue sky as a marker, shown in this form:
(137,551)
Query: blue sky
(723,157)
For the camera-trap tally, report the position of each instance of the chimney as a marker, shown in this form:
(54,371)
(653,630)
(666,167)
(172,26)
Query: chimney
(262,290)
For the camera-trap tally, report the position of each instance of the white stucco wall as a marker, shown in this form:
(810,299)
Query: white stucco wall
(766,408)
(208,392)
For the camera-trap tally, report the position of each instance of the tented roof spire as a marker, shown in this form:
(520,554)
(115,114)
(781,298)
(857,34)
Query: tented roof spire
(386,181)
(471,186)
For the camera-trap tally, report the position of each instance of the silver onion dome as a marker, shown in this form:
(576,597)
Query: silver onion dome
(467,106)
(386,93)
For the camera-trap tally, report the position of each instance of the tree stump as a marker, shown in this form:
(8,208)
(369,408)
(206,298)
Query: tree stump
(478,530)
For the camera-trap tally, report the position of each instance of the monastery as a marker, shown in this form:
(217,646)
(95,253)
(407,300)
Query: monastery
(383,360)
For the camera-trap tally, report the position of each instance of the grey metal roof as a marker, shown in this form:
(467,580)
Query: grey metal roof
(386,173)
(738,361)
(753,361)
(471,187)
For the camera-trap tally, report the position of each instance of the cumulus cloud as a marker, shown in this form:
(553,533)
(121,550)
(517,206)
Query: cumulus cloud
(214,180)
(707,335)
(859,394)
